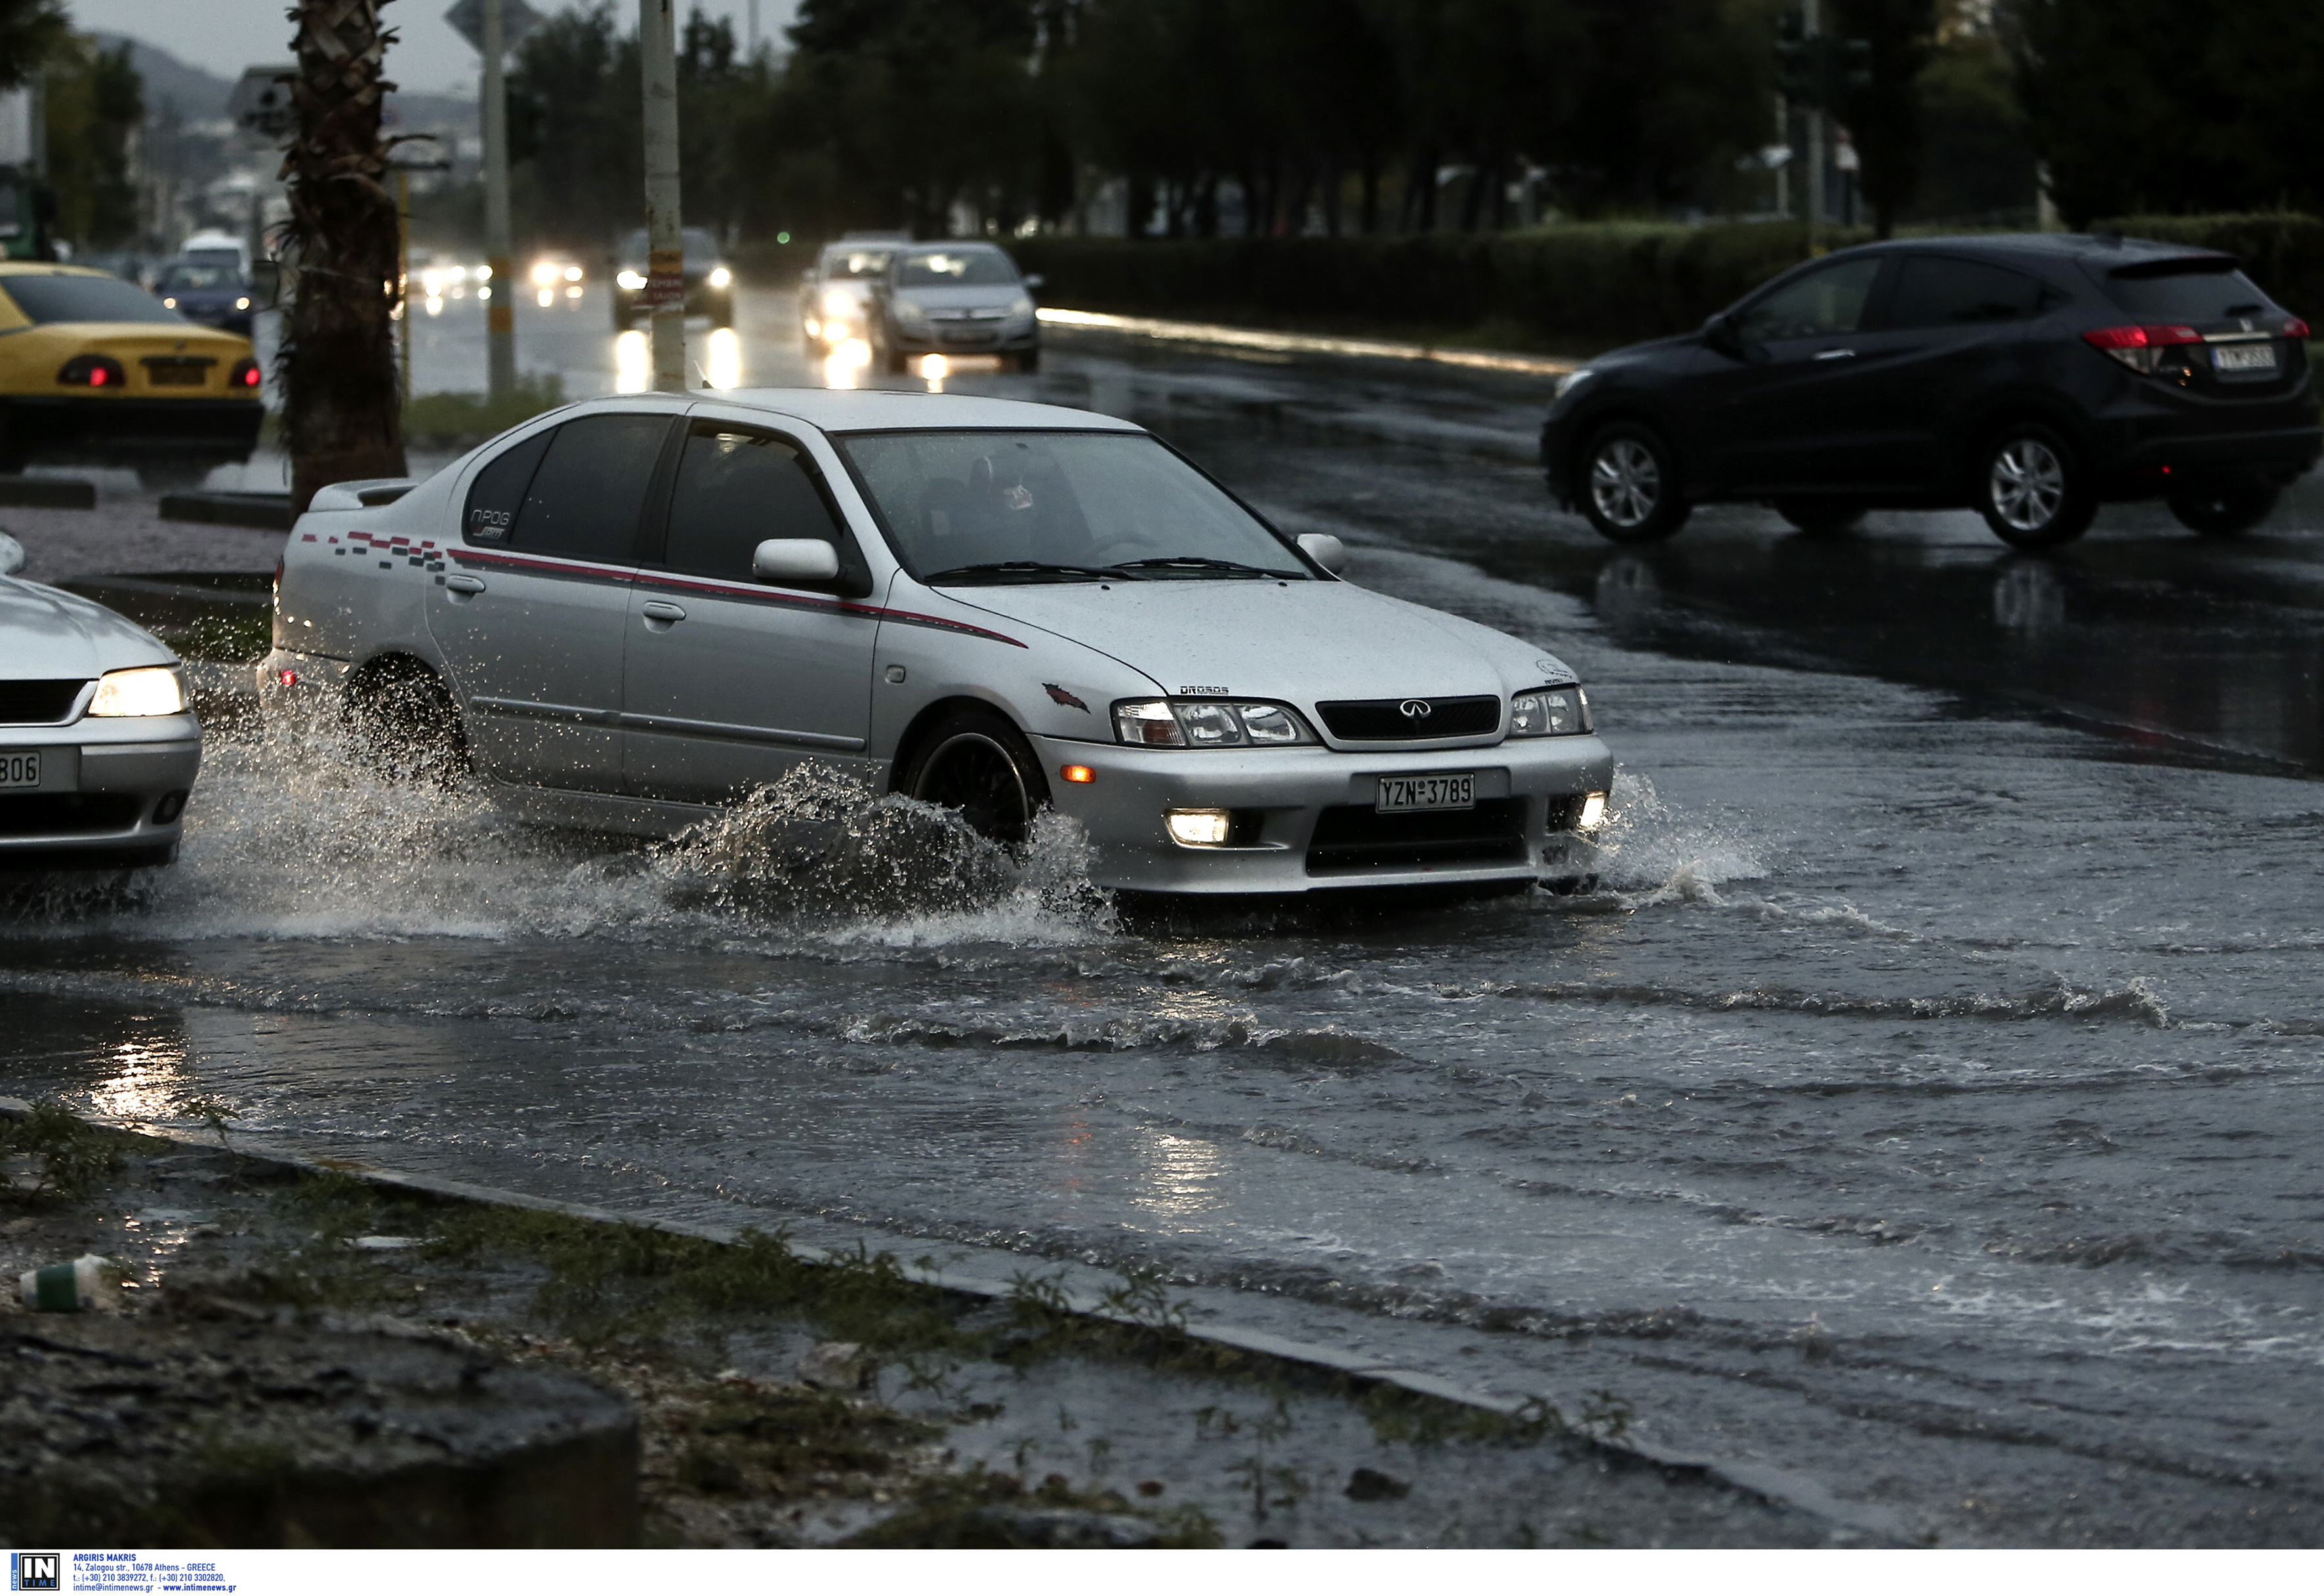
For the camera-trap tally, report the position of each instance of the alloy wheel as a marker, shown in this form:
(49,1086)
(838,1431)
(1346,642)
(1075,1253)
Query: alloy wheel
(2027,483)
(974,774)
(1625,482)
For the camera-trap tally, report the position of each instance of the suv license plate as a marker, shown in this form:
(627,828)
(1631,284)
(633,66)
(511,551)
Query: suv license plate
(2243,357)
(1399,794)
(22,769)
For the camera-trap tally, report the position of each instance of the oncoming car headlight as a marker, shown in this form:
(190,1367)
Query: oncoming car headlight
(632,280)
(1207,723)
(150,690)
(1551,712)
(720,277)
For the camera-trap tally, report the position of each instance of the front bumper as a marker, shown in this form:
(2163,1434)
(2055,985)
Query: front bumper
(104,786)
(1308,826)
(965,339)
(99,431)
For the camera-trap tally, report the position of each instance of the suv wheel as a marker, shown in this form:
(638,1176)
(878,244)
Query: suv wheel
(2225,506)
(1629,485)
(1820,518)
(2033,489)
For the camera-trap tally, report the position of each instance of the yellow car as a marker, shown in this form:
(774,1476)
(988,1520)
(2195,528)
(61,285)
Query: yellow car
(95,370)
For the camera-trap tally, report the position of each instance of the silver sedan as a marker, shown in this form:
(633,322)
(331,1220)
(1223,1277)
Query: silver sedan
(633,610)
(97,749)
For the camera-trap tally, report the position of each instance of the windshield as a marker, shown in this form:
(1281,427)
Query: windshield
(1058,506)
(183,279)
(47,296)
(2200,290)
(700,245)
(855,262)
(937,268)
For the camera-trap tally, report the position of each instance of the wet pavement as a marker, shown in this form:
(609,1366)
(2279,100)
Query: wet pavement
(1924,1113)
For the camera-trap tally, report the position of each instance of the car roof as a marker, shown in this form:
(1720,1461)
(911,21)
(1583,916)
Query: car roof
(2099,249)
(883,410)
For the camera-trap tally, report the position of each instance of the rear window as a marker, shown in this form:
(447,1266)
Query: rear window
(1937,290)
(2185,290)
(46,298)
(955,268)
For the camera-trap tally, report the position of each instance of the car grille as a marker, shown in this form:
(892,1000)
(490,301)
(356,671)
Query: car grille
(1383,720)
(49,814)
(37,703)
(1355,837)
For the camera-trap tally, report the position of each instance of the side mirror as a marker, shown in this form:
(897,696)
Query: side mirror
(266,284)
(795,559)
(1034,279)
(1325,549)
(12,556)
(1718,333)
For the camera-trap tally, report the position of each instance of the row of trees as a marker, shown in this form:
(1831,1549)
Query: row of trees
(94,106)
(1368,116)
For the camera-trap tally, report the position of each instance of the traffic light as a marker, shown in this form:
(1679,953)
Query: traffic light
(1847,68)
(1795,61)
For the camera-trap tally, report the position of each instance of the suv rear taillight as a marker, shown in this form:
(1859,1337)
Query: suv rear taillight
(245,375)
(2140,347)
(2296,329)
(92,371)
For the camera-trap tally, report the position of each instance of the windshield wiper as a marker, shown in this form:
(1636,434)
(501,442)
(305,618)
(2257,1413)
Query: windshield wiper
(1002,570)
(1198,562)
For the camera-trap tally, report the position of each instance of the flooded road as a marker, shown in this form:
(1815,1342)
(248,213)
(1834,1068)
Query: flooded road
(1924,1109)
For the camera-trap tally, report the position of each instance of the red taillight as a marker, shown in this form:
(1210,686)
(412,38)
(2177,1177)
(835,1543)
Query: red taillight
(2295,328)
(245,373)
(92,371)
(288,678)
(2140,347)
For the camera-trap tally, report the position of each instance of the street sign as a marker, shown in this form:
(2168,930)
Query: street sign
(517,20)
(261,102)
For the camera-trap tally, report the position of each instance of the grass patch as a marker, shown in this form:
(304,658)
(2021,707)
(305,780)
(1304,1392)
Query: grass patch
(456,420)
(51,1156)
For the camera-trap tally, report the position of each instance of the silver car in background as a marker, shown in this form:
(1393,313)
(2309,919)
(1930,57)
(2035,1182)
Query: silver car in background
(98,748)
(954,298)
(631,610)
(835,293)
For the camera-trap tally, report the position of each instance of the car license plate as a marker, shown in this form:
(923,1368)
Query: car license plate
(2243,357)
(20,769)
(1399,794)
(177,373)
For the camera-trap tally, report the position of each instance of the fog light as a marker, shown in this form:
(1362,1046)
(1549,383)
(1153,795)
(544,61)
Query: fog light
(1593,811)
(172,805)
(1081,775)
(1198,828)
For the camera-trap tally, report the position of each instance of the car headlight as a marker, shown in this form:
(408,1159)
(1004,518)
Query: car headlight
(1551,712)
(910,311)
(632,280)
(1207,723)
(1021,306)
(720,277)
(150,690)
(544,273)
(242,304)
(1572,380)
(838,301)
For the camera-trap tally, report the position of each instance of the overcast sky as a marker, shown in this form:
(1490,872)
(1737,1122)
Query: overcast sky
(224,36)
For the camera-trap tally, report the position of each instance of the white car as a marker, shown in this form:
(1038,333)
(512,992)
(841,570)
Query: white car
(97,749)
(630,610)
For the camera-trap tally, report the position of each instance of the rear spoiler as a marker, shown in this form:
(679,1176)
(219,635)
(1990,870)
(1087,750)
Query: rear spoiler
(369,493)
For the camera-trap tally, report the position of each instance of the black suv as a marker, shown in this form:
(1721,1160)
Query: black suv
(2032,377)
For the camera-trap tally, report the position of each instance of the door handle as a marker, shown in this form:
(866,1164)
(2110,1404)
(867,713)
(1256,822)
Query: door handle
(667,614)
(460,583)
(1837,355)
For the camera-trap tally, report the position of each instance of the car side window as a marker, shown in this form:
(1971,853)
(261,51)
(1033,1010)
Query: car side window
(498,491)
(1934,290)
(585,499)
(1827,301)
(736,488)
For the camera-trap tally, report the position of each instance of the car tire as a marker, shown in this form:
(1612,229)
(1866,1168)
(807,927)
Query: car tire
(2225,507)
(978,763)
(2033,488)
(405,726)
(1821,518)
(1629,485)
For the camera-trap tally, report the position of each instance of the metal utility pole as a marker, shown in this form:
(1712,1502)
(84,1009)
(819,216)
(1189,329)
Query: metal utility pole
(665,292)
(499,310)
(1812,28)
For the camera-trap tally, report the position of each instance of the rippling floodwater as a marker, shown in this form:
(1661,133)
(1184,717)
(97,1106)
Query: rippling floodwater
(1924,1107)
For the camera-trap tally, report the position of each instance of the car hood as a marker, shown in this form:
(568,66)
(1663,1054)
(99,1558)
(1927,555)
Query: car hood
(976,296)
(1298,640)
(52,636)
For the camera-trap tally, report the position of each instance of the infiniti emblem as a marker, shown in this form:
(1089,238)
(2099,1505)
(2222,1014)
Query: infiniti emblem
(1414,709)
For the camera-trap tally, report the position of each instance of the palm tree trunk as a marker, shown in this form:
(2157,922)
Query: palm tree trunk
(341,415)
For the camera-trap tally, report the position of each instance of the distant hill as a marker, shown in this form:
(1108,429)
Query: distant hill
(200,97)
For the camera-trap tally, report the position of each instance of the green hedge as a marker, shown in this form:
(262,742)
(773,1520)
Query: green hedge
(2283,251)
(1576,288)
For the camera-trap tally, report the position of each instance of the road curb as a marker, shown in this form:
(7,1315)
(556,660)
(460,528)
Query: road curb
(1777,1486)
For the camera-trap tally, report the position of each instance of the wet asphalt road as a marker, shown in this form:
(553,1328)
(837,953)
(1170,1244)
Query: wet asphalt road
(1924,1111)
